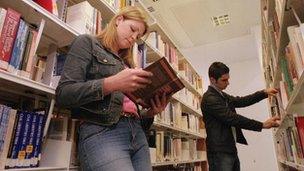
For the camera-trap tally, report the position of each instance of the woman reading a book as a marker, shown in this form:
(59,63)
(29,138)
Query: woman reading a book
(97,74)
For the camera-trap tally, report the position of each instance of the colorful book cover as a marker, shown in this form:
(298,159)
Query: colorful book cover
(164,80)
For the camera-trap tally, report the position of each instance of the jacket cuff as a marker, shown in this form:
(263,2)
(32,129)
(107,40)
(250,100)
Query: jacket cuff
(264,94)
(259,126)
(97,86)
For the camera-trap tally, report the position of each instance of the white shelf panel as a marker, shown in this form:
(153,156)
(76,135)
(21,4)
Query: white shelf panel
(186,108)
(176,162)
(190,86)
(57,31)
(38,169)
(15,82)
(292,164)
(150,18)
(166,38)
(296,100)
(107,11)
(154,54)
(176,130)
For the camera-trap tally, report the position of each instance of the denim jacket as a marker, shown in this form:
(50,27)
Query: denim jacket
(80,86)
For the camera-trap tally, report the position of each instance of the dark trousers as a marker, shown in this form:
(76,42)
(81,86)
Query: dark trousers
(221,161)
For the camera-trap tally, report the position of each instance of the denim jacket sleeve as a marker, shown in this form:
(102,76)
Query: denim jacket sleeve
(74,89)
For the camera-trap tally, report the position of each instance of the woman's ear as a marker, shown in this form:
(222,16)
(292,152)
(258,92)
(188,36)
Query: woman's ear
(119,19)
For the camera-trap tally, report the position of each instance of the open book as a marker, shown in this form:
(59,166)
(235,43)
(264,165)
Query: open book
(164,80)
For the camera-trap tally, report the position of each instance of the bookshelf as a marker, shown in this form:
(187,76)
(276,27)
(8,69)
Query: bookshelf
(283,59)
(56,33)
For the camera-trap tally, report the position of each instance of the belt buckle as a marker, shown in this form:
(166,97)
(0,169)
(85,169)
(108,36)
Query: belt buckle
(126,114)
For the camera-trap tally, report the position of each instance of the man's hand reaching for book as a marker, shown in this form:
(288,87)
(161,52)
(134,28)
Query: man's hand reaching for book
(158,104)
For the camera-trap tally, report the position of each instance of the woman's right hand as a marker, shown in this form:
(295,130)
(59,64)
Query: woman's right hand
(127,80)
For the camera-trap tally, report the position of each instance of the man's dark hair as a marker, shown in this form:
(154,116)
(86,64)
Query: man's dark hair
(217,69)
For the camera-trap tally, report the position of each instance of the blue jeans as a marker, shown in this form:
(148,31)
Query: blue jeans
(122,146)
(221,161)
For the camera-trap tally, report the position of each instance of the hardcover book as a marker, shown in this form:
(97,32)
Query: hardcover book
(164,80)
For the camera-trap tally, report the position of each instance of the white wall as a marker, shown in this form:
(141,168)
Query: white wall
(259,154)
(242,56)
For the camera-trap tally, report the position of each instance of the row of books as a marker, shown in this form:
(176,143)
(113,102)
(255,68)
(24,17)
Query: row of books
(291,143)
(190,75)
(174,116)
(164,146)
(56,7)
(189,98)
(165,49)
(85,19)
(18,43)
(119,4)
(273,24)
(60,8)
(183,167)
(19,56)
(64,128)
(291,64)
(21,137)
(182,66)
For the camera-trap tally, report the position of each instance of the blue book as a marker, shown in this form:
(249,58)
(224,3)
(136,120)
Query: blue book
(1,113)
(19,47)
(32,139)
(37,149)
(12,161)
(13,134)
(23,43)
(4,125)
(16,48)
(59,64)
(24,139)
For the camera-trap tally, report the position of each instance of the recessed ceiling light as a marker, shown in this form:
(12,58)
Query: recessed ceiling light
(220,20)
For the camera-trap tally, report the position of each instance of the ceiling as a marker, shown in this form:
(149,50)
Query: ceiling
(189,21)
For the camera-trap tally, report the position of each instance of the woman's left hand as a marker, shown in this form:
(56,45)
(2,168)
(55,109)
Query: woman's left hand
(158,104)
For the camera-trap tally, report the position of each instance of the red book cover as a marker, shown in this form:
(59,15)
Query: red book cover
(8,35)
(300,127)
(46,4)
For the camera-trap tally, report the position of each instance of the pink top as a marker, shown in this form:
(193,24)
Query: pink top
(129,106)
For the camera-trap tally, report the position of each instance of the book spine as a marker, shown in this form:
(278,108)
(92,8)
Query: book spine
(8,36)
(37,149)
(8,138)
(24,140)
(32,138)
(24,38)
(29,59)
(16,48)
(4,125)
(2,18)
(14,151)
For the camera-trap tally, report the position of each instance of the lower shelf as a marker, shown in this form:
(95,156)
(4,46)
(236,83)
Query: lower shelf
(38,168)
(176,163)
(292,164)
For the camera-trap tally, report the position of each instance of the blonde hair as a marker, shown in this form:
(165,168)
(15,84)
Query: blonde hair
(109,34)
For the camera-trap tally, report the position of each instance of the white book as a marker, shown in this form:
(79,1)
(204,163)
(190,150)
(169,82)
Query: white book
(2,17)
(80,17)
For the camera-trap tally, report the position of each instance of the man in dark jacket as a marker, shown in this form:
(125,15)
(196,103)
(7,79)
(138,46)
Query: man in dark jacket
(223,124)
